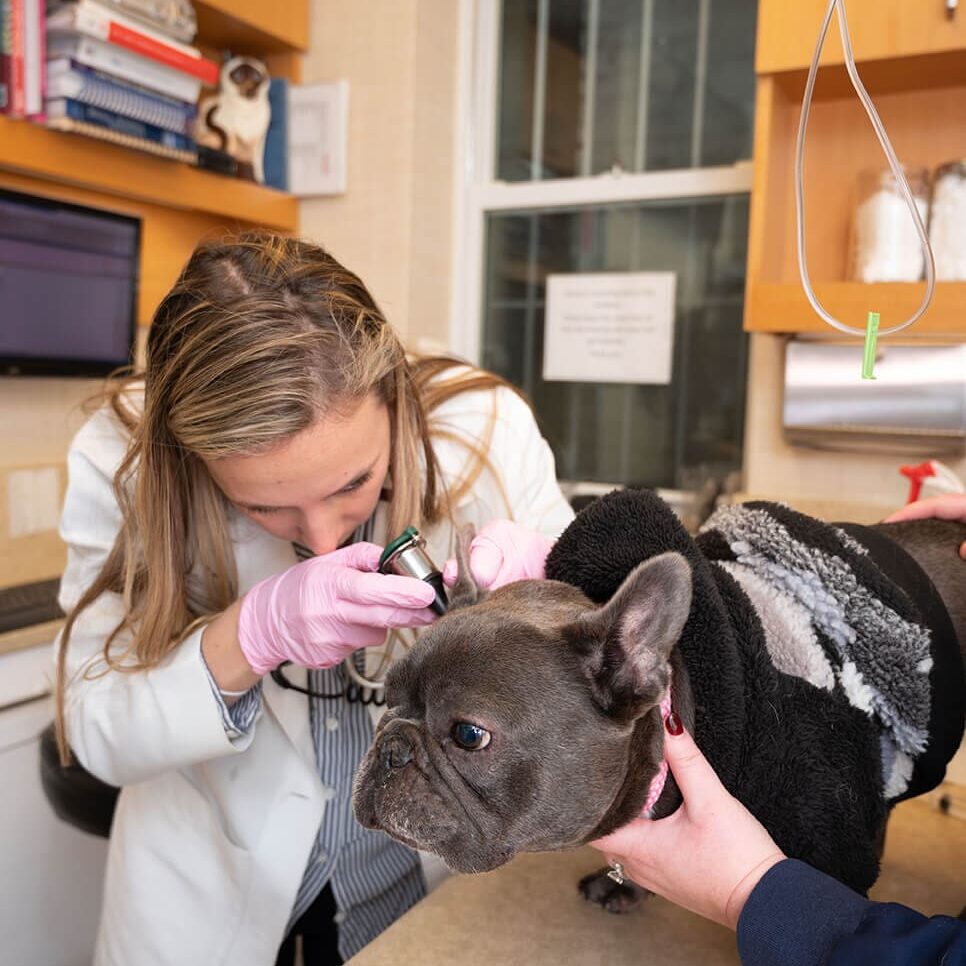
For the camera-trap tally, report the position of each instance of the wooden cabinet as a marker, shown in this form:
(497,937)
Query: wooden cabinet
(880,30)
(913,61)
(177,203)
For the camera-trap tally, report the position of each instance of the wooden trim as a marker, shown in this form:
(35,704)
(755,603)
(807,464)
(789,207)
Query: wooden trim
(27,637)
(758,214)
(782,307)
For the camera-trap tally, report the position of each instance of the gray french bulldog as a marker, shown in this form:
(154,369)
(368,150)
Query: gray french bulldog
(527,719)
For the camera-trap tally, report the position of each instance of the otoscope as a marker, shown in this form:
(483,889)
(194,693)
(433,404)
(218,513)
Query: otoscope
(406,557)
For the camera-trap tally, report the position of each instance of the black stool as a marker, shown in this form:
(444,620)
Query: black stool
(75,795)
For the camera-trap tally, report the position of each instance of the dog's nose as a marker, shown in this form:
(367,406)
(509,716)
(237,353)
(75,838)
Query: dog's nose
(397,752)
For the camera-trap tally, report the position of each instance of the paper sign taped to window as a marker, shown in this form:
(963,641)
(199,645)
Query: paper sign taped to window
(609,327)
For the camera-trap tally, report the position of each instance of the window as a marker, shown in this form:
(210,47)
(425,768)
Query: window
(613,135)
(589,86)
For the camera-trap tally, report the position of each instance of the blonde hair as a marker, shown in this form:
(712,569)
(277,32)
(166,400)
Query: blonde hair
(260,336)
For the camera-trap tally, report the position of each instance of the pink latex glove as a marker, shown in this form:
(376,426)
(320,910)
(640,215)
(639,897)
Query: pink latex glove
(502,552)
(316,613)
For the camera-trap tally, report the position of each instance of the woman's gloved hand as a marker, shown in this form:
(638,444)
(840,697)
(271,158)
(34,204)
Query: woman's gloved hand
(316,613)
(502,552)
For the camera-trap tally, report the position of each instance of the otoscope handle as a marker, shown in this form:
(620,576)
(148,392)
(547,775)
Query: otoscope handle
(407,557)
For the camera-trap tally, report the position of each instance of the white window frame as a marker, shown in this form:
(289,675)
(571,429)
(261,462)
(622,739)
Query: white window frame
(477,191)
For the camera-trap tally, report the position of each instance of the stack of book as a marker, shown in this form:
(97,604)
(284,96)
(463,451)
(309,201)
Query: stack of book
(22,58)
(112,75)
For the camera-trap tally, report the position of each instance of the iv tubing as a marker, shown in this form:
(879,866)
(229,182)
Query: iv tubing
(880,132)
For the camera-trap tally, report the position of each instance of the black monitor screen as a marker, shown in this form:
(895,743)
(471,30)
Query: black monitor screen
(68,287)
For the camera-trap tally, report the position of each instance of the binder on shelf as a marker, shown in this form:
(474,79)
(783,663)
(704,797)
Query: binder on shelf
(106,132)
(65,108)
(16,58)
(5,30)
(276,140)
(34,58)
(125,140)
(124,64)
(92,20)
(69,79)
(22,58)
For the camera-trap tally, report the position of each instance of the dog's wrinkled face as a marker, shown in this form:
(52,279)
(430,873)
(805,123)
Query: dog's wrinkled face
(510,722)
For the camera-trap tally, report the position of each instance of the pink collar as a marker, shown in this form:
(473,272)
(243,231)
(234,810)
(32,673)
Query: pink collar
(660,779)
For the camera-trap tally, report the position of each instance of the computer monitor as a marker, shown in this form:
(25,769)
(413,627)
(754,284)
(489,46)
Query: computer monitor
(68,287)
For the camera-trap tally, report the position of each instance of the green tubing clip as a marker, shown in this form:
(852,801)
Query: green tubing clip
(871,335)
(410,533)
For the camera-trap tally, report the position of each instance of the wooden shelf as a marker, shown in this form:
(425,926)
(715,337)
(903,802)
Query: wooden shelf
(254,26)
(782,307)
(886,76)
(103,167)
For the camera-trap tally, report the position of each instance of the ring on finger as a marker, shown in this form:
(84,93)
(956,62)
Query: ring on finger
(616,873)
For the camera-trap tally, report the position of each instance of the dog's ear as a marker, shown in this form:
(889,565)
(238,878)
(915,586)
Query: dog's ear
(465,592)
(625,644)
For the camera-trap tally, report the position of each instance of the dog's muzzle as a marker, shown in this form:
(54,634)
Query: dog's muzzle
(395,752)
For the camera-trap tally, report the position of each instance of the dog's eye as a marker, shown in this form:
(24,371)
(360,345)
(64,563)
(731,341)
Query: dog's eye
(470,736)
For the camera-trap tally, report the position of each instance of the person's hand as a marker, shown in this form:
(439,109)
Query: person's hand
(501,553)
(946,506)
(316,613)
(708,855)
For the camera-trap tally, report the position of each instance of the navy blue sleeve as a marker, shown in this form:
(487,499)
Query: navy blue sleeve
(797,916)
(894,935)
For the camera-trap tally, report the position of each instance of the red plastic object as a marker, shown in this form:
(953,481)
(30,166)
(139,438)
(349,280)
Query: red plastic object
(916,476)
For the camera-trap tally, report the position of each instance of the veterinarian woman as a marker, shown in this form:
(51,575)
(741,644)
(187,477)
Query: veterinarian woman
(713,857)
(277,419)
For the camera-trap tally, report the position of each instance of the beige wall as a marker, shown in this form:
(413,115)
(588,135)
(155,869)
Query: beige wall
(37,419)
(843,485)
(393,225)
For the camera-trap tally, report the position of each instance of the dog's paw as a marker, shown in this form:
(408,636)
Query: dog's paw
(599,889)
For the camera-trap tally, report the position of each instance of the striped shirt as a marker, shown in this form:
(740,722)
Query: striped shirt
(374,879)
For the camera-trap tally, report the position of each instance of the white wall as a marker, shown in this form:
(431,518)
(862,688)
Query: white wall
(39,417)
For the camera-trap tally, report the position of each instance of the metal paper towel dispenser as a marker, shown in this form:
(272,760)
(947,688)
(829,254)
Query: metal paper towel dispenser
(915,405)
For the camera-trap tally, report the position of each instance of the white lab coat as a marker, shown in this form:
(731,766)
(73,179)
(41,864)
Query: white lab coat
(211,835)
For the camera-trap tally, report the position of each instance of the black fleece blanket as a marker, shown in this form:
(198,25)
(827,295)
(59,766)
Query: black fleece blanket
(811,670)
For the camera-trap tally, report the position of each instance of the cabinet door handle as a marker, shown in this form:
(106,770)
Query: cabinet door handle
(951,8)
